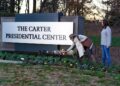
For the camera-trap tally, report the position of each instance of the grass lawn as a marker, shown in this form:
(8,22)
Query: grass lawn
(45,75)
(115,41)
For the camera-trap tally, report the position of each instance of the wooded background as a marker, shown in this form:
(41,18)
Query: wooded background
(67,7)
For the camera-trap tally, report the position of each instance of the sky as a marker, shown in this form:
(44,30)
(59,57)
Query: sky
(98,3)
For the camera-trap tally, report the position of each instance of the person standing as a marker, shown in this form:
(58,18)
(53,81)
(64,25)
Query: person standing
(105,44)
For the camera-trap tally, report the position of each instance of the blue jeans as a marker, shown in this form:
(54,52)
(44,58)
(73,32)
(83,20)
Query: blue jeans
(106,58)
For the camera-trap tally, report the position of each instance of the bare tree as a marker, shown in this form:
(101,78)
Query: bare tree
(42,6)
(27,6)
(34,6)
(77,7)
(18,6)
(12,6)
(113,15)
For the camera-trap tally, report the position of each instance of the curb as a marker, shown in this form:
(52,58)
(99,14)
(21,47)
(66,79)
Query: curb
(10,61)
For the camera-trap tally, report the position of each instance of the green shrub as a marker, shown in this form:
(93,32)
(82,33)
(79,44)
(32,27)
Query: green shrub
(67,61)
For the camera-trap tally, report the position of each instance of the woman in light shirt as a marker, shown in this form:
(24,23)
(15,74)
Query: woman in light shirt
(105,44)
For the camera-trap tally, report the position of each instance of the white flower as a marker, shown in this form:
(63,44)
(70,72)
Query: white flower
(22,59)
(71,52)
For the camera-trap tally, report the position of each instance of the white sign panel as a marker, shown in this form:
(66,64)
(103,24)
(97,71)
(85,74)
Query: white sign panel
(37,32)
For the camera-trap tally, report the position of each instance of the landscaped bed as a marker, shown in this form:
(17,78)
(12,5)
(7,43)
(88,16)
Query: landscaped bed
(49,70)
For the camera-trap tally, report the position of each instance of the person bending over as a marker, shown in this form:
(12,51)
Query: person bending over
(83,44)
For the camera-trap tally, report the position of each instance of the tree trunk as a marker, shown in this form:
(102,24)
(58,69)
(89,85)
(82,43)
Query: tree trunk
(18,6)
(12,6)
(42,6)
(27,7)
(34,6)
